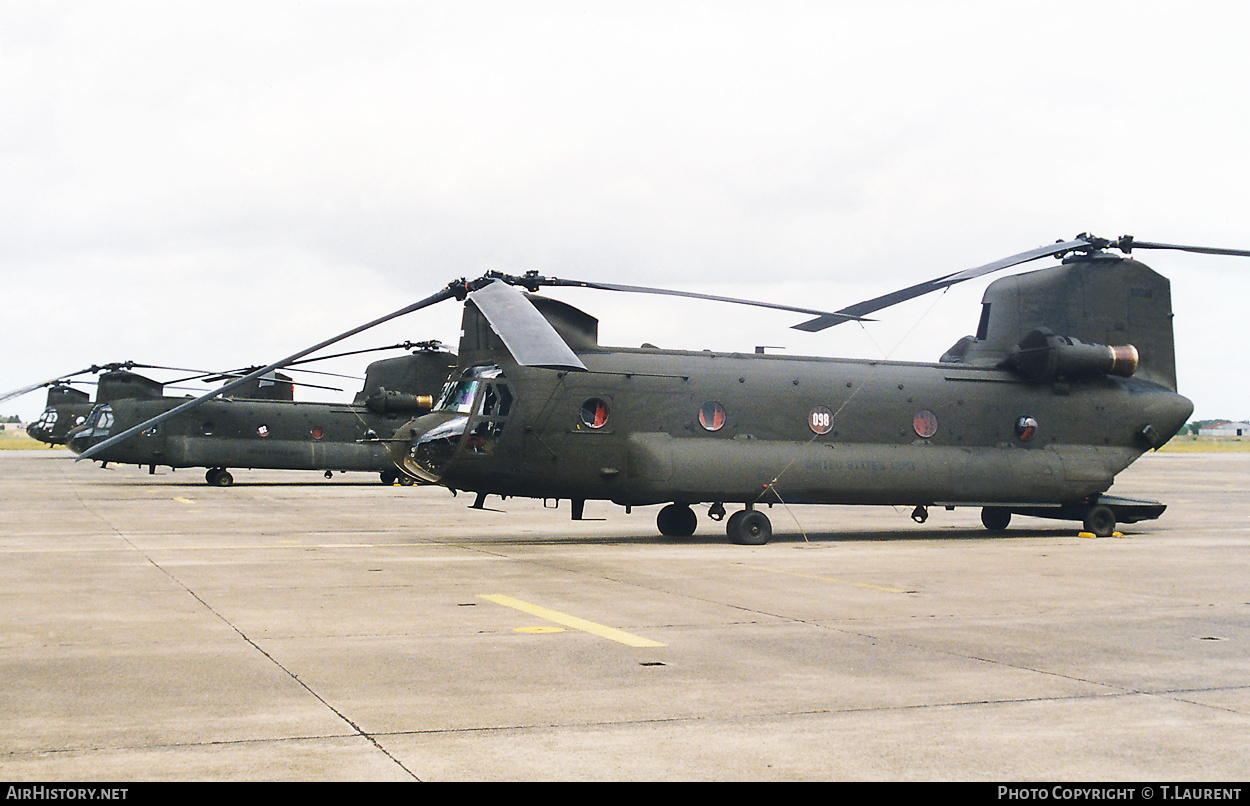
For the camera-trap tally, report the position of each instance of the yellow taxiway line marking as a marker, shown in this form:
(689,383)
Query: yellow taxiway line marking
(828,579)
(564,619)
(182,500)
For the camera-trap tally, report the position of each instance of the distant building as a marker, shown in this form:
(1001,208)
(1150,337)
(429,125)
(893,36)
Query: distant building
(1225,430)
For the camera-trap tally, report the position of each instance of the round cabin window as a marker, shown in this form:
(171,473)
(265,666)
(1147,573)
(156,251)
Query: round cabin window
(712,416)
(925,424)
(594,413)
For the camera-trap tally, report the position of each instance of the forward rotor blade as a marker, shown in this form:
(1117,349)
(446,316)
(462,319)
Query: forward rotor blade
(638,289)
(936,284)
(449,292)
(530,338)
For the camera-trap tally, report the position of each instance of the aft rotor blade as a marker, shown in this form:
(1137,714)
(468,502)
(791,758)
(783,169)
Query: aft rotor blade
(1128,243)
(526,333)
(638,289)
(937,284)
(452,290)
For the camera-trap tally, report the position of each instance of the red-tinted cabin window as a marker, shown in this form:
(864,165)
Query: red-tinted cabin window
(595,413)
(712,416)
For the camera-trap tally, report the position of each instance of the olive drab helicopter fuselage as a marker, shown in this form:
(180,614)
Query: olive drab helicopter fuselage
(648,426)
(261,425)
(1069,378)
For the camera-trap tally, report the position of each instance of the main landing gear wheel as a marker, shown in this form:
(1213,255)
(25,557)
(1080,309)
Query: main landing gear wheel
(995,519)
(219,477)
(676,520)
(388,477)
(1100,520)
(749,527)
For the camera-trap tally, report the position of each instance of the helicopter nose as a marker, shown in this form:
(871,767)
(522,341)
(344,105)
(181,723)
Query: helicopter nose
(78,438)
(426,445)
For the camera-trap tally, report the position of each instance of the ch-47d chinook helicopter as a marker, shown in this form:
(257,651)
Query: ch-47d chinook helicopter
(257,423)
(68,407)
(1069,378)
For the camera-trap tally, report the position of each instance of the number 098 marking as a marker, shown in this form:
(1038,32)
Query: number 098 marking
(820,420)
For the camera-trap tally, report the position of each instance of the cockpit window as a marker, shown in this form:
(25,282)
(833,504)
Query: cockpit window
(497,402)
(102,417)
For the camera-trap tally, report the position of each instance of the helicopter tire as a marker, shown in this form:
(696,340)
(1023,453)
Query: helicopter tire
(995,519)
(749,528)
(388,477)
(676,520)
(405,480)
(219,477)
(1100,520)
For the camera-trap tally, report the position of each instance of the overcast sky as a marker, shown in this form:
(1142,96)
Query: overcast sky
(217,184)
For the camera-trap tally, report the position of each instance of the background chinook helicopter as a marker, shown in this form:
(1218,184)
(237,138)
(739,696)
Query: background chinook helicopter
(260,424)
(1069,378)
(67,407)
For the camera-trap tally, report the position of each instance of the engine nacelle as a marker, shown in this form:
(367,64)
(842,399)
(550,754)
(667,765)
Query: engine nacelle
(384,401)
(1043,356)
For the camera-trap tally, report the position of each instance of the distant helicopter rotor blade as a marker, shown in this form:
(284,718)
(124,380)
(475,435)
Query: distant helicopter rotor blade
(526,333)
(406,345)
(239,373)
(938,283)
(32,387)
(94,368)
(133,365)
(456,289)
(214,377)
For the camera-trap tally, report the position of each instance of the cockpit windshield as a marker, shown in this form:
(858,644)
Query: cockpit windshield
(458,395)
